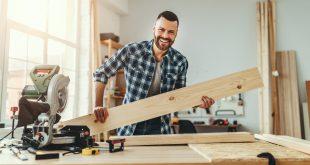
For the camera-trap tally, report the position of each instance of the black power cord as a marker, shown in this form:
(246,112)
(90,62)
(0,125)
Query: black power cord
(8,134)
(269,156)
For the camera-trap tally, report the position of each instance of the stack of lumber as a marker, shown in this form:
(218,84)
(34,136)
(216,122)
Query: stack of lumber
(266,46)
(289,109)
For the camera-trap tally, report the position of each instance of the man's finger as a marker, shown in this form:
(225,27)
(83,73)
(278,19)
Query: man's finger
(209,102)
(206,104)
(202,104)
(106,114)
(203,98)
(101,115)
(212,101)
(97,117)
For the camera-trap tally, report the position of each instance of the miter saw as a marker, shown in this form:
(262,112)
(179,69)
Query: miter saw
(41,105)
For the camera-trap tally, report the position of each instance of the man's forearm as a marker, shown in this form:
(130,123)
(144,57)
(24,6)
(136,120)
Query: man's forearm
(99,93)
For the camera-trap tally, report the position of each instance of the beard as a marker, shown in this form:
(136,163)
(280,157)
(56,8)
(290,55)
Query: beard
(163,47)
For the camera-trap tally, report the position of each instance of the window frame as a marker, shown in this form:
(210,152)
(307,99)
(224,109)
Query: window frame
(45,36)
(3,16)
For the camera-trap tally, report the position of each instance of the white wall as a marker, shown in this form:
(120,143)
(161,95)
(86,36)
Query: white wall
(109,21)
(109,12)
(118,6)
(218,37)
(293,28)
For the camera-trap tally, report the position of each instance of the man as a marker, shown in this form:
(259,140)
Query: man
(151,67)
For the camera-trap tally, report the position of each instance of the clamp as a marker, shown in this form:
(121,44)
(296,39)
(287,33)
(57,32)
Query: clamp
(116,141)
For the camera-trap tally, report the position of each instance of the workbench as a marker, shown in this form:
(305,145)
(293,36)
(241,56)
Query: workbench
(209,154)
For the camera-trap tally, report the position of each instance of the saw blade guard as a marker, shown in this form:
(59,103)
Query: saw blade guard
(57,95)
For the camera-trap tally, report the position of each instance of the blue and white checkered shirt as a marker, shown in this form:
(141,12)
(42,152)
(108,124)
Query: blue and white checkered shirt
(139,64)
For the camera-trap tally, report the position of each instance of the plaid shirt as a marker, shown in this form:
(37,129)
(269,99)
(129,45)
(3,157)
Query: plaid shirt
(139,64)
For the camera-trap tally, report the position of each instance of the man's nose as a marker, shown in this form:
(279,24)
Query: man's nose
(165,34)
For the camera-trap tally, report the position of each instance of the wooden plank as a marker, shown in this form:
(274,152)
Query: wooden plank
(245,153)
(172,101)
(273,63)
(264,97)
(297,140)
(187,138)
(290,142)
(288,94)
(259,64)
(306,120)
(308,96)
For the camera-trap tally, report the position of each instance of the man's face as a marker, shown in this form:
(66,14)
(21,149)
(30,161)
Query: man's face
(164,33)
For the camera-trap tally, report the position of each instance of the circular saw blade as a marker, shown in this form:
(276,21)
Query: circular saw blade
(62,98)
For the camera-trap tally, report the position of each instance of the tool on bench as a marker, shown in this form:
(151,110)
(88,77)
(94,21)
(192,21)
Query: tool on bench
(18,154)
(116,141)
(41,155)
(41,105)
(90,151)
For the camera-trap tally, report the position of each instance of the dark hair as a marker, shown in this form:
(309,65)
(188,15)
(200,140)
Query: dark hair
(170,16)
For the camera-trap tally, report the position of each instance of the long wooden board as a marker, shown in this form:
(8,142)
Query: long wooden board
(173,101)
(263,63)
(227,137)
(246,153)
(286,141)
(306,121)
(288,94)
(308,97)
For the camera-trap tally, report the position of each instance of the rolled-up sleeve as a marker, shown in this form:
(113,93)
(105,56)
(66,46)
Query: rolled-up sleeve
(111,66)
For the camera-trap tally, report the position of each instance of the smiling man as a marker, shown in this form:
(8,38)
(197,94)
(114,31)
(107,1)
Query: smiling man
(151,67)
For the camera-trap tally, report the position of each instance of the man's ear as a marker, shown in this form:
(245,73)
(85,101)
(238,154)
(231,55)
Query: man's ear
(176,34)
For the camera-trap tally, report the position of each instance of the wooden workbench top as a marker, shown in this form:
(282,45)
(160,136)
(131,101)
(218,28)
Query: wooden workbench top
(244,153)
(131,155)
(209,154)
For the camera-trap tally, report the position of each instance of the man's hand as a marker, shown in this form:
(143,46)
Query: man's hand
(206,102)
(101,114)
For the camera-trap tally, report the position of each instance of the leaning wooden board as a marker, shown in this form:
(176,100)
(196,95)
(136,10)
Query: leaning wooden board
(227,137)
(287,141)
(288,94)
(308,96)
(173,101)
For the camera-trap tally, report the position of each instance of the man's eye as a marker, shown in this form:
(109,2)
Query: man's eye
(161,30)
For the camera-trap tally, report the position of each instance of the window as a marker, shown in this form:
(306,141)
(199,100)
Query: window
(39,32)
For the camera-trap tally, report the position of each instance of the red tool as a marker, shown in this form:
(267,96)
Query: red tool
(13,117)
